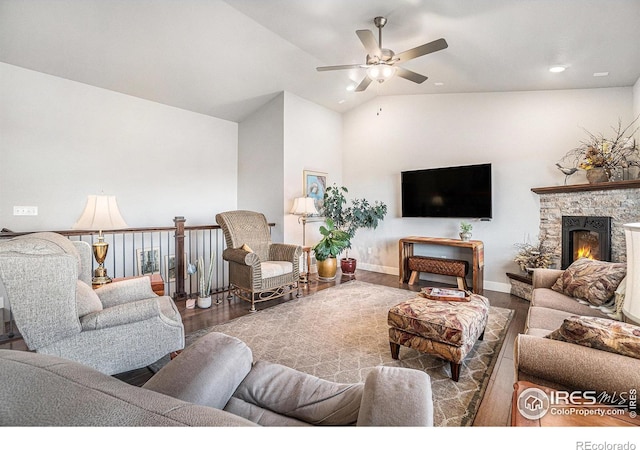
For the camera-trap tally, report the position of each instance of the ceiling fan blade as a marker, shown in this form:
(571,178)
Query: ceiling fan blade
(346,66)
(364,84)
(434,46)
(410,75)
(369,41)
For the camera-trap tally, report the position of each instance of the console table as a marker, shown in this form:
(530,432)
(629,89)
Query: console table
(405,248)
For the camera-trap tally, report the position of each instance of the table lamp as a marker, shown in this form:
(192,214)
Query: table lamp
(303,207)
(100,213)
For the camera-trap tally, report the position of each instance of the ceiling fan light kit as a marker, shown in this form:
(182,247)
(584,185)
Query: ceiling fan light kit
(381,72)
(381,62)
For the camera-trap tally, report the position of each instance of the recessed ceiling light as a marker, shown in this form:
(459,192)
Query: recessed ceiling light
(601,74)
(438,83)
(557,69)
(340,102)
(351,87)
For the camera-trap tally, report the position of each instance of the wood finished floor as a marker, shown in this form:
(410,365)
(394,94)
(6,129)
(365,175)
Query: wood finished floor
(496,404)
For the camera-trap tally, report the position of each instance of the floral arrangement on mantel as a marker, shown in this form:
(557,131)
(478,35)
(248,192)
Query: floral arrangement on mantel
(598,151)
(539,256)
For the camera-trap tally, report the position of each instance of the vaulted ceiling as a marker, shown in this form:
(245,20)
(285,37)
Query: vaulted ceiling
(227,58)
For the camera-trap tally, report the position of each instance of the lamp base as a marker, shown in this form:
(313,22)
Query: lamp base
(100,276)
(99,281)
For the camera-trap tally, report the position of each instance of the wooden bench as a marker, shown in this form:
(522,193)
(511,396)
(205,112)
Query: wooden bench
(439,266)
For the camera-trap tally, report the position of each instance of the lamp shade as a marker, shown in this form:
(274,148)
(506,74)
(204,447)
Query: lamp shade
(100,213)
(631,305)
(304,206)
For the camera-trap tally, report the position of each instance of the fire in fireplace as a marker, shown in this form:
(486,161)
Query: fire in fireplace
(585,237)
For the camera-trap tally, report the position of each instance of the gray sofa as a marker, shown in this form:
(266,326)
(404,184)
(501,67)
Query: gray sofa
(116,328)
(214,382)
(564,365)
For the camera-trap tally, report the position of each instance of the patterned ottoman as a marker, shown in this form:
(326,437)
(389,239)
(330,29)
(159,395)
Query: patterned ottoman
(445,329)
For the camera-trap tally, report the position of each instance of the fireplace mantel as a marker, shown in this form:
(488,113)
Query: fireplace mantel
(610,185)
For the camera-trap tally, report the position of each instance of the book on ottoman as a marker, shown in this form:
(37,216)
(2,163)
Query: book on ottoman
(445,294)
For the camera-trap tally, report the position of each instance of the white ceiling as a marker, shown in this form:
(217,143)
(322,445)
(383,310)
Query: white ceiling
(227,58)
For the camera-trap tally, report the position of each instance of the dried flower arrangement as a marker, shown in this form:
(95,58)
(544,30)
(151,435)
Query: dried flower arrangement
(609,153)
(539,256)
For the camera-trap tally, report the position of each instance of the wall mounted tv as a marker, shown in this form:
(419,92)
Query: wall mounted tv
(462,192)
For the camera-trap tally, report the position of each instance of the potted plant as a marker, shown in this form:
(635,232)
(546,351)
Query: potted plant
(350,216)
(333,242)
(465,231)
(537,256)
(205,278)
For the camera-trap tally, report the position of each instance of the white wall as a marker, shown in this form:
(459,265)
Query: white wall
(261,163)
(276,144)
(523,135)
(313,141)
(61,140)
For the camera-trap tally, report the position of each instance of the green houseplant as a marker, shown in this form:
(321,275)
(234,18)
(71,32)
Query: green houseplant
(465,231)
(350,216)
(333,242)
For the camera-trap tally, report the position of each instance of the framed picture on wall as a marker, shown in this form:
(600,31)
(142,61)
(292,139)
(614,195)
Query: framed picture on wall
(314,186)
(148,260)
(170,267)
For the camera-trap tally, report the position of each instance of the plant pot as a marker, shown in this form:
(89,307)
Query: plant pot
(597,175)
(348,266)
(465,236)
(204,302)
(327,269)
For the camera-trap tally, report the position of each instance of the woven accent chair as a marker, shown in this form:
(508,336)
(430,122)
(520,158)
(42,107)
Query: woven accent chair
(259,270)
(119,327)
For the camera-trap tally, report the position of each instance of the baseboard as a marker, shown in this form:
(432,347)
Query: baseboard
(379,269)
(488,285)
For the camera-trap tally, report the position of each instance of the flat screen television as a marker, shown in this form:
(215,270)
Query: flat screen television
(462,192)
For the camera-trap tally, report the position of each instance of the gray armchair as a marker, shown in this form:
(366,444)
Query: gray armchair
(116,328)
(213,382)
(259,270)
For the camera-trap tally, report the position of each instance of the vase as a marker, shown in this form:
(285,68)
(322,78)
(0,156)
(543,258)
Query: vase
(348,266)
(465,236)
(597,175)
(204,302)
(327,269)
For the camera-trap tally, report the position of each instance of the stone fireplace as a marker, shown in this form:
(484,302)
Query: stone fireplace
(585,237)
(618,202)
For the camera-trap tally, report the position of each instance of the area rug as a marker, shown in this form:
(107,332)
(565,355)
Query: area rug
(340,333)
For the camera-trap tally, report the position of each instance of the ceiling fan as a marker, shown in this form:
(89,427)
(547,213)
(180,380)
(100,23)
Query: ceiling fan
(382,63)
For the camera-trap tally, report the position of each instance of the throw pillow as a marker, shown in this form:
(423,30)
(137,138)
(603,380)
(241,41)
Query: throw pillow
(602,334)
(246,248)
(591,280)
(87,300)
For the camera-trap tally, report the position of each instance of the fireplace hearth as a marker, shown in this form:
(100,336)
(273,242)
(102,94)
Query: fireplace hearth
(585,237)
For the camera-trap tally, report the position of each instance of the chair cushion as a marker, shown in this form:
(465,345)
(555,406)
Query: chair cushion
(591,280)
(603,334)
(86,299)
(275,268)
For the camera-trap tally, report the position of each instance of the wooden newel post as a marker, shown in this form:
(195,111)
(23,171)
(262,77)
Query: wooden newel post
(180,293)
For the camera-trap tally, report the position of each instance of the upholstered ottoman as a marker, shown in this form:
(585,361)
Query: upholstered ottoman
(445,329)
